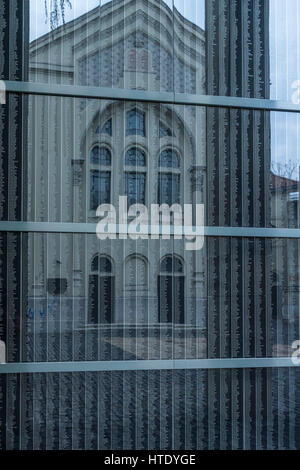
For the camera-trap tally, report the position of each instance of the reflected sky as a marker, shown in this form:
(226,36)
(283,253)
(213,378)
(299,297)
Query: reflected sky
(40,23)
(284,47)
(284,58)
(193,10)
(284,72)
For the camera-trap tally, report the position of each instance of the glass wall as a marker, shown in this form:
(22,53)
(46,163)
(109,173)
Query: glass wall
(149,224)
(167,409)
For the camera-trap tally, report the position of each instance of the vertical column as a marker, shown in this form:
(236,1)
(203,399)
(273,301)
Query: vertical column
(198,187)
(238,165)
(13,66)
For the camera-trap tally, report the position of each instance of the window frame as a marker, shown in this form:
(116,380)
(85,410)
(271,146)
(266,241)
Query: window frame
(134,131)
(174,171)
(98,167)
(227,102)
(172,274)
(102,274)
(135,169)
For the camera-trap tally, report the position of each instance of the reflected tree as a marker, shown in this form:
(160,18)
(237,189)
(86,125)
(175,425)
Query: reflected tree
(55,9)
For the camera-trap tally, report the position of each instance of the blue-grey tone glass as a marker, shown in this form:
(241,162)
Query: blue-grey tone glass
(101,156)
(168,188)
(169,159)
(171,264)
(100,188)
(135,123)
(163,328)
(135,157)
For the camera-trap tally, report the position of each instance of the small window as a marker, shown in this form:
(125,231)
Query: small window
(101,156)
(171,264)
(164,131)
(135,157)
(135,123)
(100,179)
(101,264)
(57,285)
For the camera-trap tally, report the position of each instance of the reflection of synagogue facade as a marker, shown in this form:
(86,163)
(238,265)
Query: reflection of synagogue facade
(285,213)
(91,152)
(84,152)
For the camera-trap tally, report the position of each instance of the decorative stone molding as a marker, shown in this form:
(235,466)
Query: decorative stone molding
(77,278)
(197,177)
(138,43)
(77,171)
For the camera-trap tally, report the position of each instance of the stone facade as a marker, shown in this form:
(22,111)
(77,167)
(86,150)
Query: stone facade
(66,131)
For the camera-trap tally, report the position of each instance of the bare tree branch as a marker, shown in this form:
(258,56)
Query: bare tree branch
(57,10)
(288,169)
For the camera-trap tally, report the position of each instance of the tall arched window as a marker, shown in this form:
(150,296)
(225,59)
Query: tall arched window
(169,177)
(135,123)
(136,285)
(171,290)
(100,176)
(101,291)
(135,176)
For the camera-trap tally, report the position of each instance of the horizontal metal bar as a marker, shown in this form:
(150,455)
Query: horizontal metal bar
(179,364)
(252,232)
(235,102)
(88,228)
(56,227)
(77,91)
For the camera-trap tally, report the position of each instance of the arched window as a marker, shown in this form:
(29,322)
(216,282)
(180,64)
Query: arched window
(136,285)
(101,156)
(136,273)
(135,157)
(100,176)
(135,176)
(169,159)
(135,123)
(101,291)
(170,287)
(169,178)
